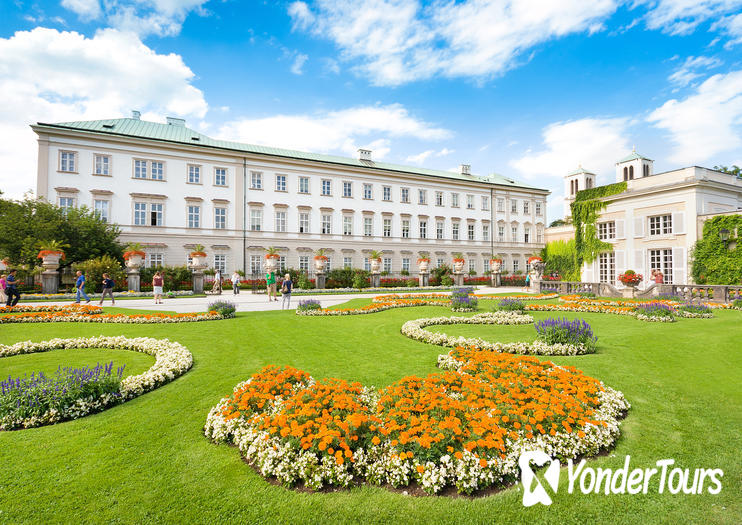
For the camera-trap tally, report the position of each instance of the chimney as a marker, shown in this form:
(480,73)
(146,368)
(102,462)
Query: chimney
(136,115)
(364,154)
(172,121)
(466,169)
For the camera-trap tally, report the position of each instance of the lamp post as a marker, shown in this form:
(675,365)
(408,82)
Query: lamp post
(724,236)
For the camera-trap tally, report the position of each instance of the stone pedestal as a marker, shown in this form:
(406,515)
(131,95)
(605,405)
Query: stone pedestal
(49,281)
(628,292)
(495,279)
(198,281)
(375,280)
(458,279)
(133,280)
(423,279)
(319,280)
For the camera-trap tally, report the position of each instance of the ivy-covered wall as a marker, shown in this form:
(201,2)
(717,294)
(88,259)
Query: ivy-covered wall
(585,211)
(713,263)
(559,257)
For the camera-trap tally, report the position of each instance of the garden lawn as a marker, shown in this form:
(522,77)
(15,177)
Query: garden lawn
(148,461)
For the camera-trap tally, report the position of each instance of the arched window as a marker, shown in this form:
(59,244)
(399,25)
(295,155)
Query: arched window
(588,183)
(625,173)
(631,172)
(646,170)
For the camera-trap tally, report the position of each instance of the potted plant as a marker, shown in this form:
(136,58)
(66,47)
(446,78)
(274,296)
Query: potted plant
(533,259)
(199,256)
(50,253)
(271,259)
(631,278)
(495,264)
(375,258)
(423,262)
(320,260)
(134,255)
(458,262)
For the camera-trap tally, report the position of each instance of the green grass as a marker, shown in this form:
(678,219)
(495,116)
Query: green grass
(146,461)
(48,362)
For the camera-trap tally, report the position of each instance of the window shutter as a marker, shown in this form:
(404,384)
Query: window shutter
(620,262)
(639,261)
(620,229)
(638,227)
(589,272)
(678,223)
(678,266)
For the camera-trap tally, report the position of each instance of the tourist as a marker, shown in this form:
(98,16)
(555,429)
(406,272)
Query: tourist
(10,289)
(80,288)
(270,282)
(157,282)
(217,286)
(658,277)
(528,282)
(286,286)
(235,283)
(108,285)
(3,297)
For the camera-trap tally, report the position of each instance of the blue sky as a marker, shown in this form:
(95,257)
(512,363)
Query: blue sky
(529,89)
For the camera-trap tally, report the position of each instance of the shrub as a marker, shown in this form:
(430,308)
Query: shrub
(589,295)
(223,308)
(303,282)
(95,268)
(510,305)
(461,301)
(404,272)
(655,309)
(309,304)
(563,331)
(737,303)
(446,280)
(412,283)
(360,279)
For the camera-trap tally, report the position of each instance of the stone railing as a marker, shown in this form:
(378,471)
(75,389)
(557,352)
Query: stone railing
(710,293)
(689,292)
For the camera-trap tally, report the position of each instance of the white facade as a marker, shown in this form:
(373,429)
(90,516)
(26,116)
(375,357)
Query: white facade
(171,193)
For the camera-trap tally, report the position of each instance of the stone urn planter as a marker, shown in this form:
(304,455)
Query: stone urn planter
(423,265)
(50,276)
(458,265)
(320,263)
(134,259)
(50,259)
(375,265)
(495,265)
(271,263)
(198,260)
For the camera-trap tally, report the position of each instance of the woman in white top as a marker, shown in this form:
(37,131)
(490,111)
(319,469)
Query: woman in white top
(235,283)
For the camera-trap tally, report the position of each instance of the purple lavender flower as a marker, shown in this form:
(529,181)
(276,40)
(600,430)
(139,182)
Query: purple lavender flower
(564,331)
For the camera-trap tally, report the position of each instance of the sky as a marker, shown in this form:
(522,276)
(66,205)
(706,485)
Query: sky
(529,89)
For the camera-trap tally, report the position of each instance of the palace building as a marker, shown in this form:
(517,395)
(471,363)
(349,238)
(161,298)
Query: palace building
(169,188)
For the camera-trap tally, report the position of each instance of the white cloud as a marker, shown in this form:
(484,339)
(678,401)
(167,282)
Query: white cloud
(705,123)
(52,76)
(420,158)
(86,9)
(732,26)
(682,17)
(299,60)
(397,41)
(342,131)
(689,71)
(594,143)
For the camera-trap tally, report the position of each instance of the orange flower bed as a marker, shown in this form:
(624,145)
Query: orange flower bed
(78,308)
(376,307)
(83,317)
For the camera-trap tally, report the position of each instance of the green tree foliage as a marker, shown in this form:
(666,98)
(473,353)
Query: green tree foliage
(24,224)
(734,170)
(174,277)
(713,261)
(95,268)
(585,211)
(559,257)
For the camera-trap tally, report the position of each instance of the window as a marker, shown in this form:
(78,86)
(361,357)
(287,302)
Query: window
(516,264)
(423,229)
(155,214)
(367,191)
(387,227)
(303,184)
(485,203)
(280,182)
(439,226)
(157,170)
(220,218)
(102,208)
(326,223)
(662,260)
(194,216)
(514,206)
(470,231)
(439,198)
(68,161)
(220,176)
(256,180)
(256,264)
(282,263)
(486,232)
(422,196)
(405,228)
(102,165)
(347,189)
(660,225)
(347,225)
(386,193)
(514,234)
(405,194)
(256,220)
(538,209)
(607,267)
(366,264)
(439,263)
(526,207)
(326,187)
(140,213)
(140,169)
(631,172)
(455,200)
(387,264)
(368,226)
(220,262)
(645,170)
(501,205)
(606,230)
(281,221)
(304,263)
(470,202)
(455,231)
(405,264)
(472,265)
(194,174)
(526,234)
(141,218)
(66,203)
(154,260)
(328,263)
(539,234)
(303,222)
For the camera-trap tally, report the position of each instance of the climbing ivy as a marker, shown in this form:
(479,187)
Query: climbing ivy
(713,261)
(600,191)
(585,211)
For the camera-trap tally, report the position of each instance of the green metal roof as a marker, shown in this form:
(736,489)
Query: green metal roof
(633,156)
(131,127)
(579,171)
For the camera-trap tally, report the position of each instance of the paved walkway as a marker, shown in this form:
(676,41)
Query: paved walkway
(249,302)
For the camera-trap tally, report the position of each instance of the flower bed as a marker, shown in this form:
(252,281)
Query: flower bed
(171,360)
(463,301)
(317,291)
(464,428)
(77,317)
(416,330)
(524,297)
(375,307)
(655,312)
(58,296)
(69,308)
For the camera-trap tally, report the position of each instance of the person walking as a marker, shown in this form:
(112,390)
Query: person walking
(80,286)
(528,282)
(3,284)
(108,285)
(157,282)
(217,287)
(235,283)
(270,282)
(286,286)
(10,289)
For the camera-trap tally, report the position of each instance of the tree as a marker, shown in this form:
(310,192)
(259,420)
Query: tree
(558,222)
(27,223)
(734,170)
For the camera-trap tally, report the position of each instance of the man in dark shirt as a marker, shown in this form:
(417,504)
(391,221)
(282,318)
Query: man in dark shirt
(11,289)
